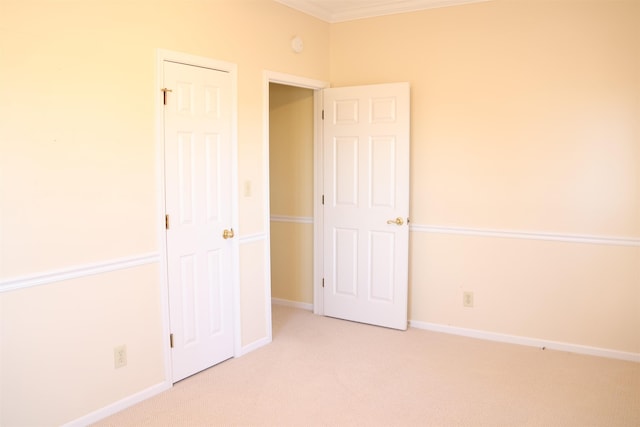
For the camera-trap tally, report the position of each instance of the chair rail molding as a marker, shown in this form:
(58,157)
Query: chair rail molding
(295,219)
(530,235)
(53,276)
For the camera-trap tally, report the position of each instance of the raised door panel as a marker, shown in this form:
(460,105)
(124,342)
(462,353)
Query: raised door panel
(198,194)
(366,186)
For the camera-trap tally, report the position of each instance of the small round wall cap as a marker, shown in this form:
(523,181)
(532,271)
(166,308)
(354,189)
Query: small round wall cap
(296,44)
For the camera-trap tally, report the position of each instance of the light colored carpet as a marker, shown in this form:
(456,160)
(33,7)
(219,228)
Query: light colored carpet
(323,371)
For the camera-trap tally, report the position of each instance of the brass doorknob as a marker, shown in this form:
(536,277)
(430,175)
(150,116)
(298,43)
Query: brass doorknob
(397,221)
(227,234)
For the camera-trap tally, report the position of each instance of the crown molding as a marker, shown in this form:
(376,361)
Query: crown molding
(334,12)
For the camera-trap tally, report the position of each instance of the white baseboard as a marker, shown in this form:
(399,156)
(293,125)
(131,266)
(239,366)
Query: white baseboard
(294,304)
(119,405)
(254,346)
(532,342)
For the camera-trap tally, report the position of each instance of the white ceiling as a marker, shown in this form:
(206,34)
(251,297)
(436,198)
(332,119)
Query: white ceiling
(347,10)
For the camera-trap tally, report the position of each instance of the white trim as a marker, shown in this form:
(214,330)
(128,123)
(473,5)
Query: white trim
(292,304)
(368,9)
(318,194)
(267,291)
(316,86)
(266,207)
(235,214)
(530,235)
(254,345)
(54,276)
(531,342)
(296,219)
(120,405)
(291,80)
(163,55)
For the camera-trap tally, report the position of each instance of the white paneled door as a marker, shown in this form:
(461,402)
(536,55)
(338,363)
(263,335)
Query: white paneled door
(366,203)
(197,126)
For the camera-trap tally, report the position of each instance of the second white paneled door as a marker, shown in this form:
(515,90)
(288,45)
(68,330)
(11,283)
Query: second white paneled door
(198,185)
(366,203)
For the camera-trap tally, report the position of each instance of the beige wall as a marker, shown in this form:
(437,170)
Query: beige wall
(58,340)
(79,184)
(291,195)
(525,118)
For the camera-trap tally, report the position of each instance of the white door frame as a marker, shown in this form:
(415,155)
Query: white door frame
(198,61)
(316,86)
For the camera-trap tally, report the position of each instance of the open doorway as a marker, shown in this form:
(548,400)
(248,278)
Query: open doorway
(384,109)
(291,191)
(293,227)
(384,178)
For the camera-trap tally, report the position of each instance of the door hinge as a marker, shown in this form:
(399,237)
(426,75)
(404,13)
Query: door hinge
(166,221)
(171,340)
(322,114)
(164,94)
(323,282)
(323,199)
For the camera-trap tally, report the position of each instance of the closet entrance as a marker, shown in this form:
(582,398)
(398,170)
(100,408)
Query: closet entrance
(291,157)
(353,144)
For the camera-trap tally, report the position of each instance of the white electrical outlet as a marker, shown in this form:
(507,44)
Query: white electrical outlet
(467,299)
(120,356)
